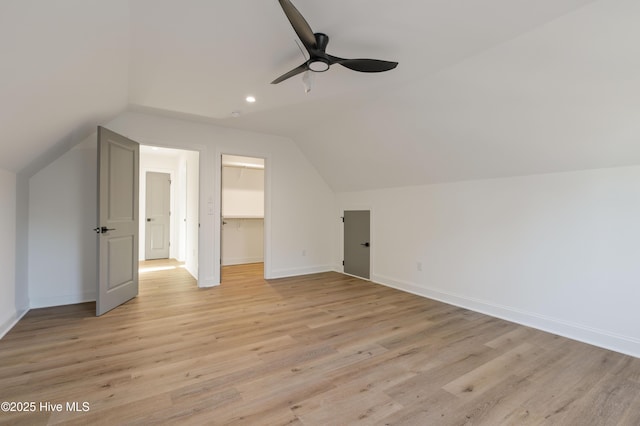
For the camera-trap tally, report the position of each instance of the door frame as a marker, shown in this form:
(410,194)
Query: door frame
(217,210)
(372,251)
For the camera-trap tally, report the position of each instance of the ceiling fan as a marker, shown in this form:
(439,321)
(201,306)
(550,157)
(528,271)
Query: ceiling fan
(316,43)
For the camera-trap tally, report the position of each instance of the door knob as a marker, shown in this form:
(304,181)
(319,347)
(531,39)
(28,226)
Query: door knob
(365,244)
(103,230)
(148,219)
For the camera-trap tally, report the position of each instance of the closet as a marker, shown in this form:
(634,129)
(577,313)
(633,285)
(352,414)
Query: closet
(242,210)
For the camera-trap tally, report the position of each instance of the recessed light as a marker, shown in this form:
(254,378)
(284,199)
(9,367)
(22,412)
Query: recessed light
(251,99)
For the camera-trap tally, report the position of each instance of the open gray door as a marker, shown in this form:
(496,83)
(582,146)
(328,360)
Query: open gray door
(118,164)
(356,243)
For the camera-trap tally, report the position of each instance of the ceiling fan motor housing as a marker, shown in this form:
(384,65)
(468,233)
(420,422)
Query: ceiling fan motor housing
(321,41)
(319,61)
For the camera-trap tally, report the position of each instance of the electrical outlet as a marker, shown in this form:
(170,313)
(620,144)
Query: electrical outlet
(419,266)
(304,252)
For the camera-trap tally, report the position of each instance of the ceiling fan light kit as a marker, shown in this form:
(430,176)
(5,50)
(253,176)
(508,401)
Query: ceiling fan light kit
(318,64)
(316,44)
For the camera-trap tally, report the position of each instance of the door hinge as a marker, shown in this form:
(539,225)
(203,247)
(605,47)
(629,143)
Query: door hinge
(342,217)
(343,263)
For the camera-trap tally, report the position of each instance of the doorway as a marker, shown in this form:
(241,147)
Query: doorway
(357,253)
(169,204)
(242,204)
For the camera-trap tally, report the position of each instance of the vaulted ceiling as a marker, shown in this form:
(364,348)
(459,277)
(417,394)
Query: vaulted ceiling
(483,89)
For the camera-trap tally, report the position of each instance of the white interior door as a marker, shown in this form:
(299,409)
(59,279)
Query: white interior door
(118,165)
(157,215)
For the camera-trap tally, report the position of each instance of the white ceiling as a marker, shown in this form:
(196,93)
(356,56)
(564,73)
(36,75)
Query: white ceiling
(483,89)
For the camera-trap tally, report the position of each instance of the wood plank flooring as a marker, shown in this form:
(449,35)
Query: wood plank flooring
(324,349)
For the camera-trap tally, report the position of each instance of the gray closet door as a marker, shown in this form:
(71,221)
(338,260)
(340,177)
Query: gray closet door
(356,242)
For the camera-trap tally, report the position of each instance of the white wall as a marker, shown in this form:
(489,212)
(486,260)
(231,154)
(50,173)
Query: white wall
(299,210)
(8,306)
(242,192)
(22,241)
(62,246)
(560,252)
(242,241)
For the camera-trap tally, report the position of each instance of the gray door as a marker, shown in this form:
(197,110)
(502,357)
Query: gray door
(157,215)
(118,164)
(356,243)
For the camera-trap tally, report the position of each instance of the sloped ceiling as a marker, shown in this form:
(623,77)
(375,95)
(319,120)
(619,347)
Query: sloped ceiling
(63,70)
(565,96)
(484,89)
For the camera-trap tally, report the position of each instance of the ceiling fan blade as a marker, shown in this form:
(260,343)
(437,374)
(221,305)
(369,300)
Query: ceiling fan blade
(295,71)
(364,65)
(299,24)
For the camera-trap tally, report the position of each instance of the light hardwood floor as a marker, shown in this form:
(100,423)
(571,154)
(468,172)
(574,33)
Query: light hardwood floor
(323,349)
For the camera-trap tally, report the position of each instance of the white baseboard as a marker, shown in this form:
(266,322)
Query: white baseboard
(602,338)
(241,260)
(70,299)
(11,322)
(292,272)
